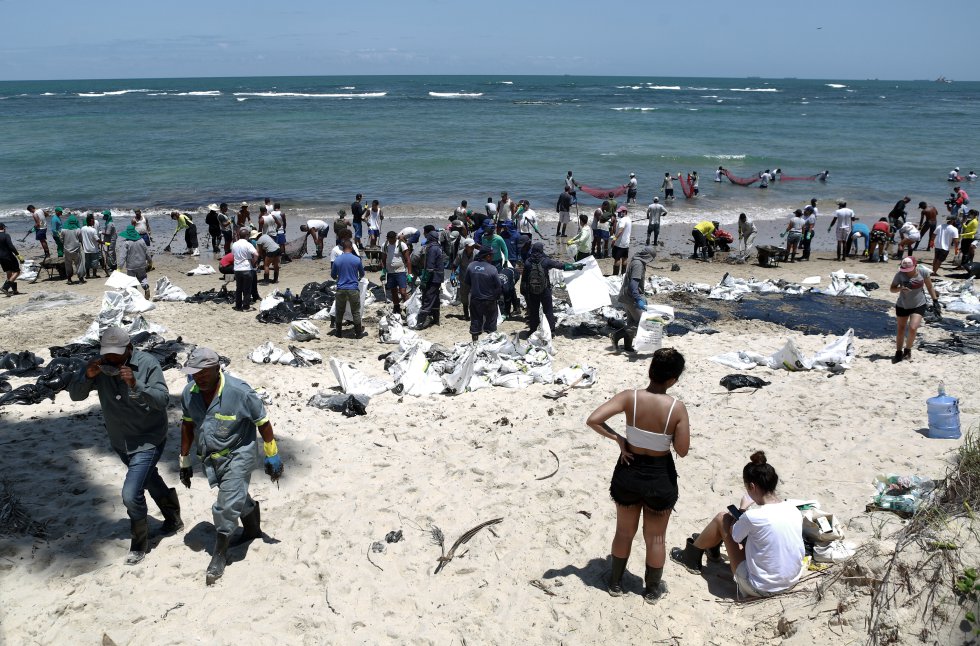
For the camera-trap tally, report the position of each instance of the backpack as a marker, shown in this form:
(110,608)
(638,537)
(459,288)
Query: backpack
(537,279)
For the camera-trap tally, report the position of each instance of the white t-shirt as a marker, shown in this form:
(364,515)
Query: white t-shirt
(953,175)
(718,175)
(407,232)
(796,224)
(529,220)
(90,239)
(277,217)
(318,225)
(844,217)
(243,252)
(909,230)
(654,212)
(632,182)
(141,226)
(336,251)
(774,548)
(491,209)
(374,219)
(395,256)
(624,228)
(945,236)
(504,211)
(267,224)
(570,184)
(764,179)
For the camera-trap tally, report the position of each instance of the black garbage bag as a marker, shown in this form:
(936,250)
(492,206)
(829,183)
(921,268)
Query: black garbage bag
(59,373)
(74,349)
(220,296)
(5,386)
(27,394)
(18,363)
(734,382)
(285,312)
(348,405)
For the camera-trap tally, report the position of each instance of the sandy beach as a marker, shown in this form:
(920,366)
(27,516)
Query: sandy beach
(453,462)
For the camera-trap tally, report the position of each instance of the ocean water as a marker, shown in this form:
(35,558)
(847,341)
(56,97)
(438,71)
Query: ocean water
(421,143)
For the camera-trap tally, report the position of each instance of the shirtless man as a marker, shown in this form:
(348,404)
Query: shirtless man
(927,222)
(40,227)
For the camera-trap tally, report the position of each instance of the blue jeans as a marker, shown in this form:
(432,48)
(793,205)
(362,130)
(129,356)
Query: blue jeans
(358,230)
(142,476)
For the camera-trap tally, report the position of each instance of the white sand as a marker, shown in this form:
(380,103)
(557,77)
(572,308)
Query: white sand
(451,462)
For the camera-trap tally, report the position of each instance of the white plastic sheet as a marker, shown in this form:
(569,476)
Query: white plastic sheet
(120,280)
(201,270)
(836,355)
(303,331)
(587,288)
(354,382)
(366,299)
(270,302)
(167,291)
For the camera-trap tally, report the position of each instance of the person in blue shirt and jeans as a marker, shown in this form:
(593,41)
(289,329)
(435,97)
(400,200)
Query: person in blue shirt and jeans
(348,270)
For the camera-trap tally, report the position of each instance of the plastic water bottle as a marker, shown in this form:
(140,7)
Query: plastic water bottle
(944,415)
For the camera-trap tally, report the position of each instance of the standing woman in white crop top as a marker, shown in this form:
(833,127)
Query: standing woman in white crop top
(645,480)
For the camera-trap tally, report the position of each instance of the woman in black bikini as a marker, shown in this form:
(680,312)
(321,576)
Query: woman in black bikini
(645,479)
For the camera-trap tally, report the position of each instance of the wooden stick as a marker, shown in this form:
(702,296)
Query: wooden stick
(557,466)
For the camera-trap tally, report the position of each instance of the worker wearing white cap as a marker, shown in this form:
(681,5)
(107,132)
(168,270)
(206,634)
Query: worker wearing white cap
(631,189)
(134,399)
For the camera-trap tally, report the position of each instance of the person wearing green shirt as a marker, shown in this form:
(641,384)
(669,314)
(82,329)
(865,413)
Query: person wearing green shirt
(497,245)
(186,224)
(967,237)
(582,241)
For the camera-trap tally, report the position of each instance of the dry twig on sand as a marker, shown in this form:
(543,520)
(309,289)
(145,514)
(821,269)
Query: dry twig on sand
(14,519)
(557,466)
(446,558)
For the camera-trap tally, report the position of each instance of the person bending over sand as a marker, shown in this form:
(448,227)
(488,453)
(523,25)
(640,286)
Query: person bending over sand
(645,479)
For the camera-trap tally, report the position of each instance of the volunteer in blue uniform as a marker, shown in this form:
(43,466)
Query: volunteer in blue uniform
(220,416)
(536,286)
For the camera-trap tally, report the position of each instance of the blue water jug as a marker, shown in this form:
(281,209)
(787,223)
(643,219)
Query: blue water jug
(944,415)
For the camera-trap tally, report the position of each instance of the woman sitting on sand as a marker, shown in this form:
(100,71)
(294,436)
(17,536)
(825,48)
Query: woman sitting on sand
(764,545)
(645,478)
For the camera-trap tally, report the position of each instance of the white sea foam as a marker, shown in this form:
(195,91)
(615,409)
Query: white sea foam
(335,95)
(455,95)
(663,87)
(629,87)
(629,108)
(835,85)
(506,82)
(753,89)
(709,96)
(349,87)
(693,109)
(242,98)
(723,156)
(49,94)
(200,93)
(113,93)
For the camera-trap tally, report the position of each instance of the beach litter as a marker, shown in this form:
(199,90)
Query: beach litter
(221,296)
(901,494)
(303,331)
(167,291)
(292,356)
(734,382)
(835,355)
(202,270)
(14,519)
(348,405)
(462,540)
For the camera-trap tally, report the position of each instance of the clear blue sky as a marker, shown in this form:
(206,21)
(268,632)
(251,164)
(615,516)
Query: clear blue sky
(856,39)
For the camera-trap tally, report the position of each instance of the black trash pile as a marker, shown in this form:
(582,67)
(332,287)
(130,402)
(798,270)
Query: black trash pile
(311,299)
(18,363)
(68,360)
(348,405)
(221,296)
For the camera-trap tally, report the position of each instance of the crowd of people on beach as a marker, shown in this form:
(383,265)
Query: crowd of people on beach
(492,256)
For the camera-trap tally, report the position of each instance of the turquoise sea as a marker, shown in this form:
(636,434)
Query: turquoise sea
(421,143)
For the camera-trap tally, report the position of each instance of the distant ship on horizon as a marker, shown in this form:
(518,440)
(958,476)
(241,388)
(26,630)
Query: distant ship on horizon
(943,79)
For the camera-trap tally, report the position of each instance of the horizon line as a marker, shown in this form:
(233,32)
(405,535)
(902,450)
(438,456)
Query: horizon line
(494,75)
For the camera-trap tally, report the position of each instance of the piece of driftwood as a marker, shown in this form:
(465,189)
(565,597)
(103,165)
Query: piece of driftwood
(443,560)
